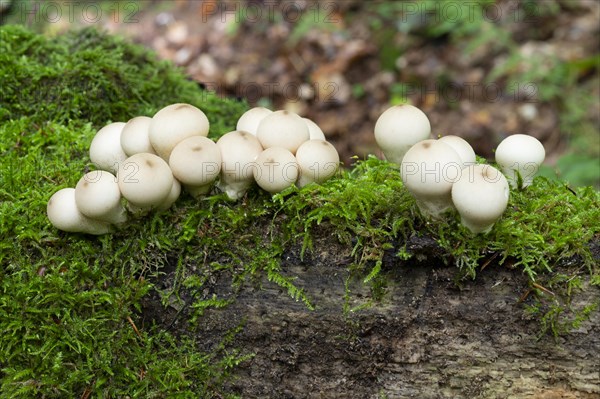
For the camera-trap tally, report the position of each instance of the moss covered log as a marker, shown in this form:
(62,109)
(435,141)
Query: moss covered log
(179,304)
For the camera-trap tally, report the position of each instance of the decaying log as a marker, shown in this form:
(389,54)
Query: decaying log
(427,338)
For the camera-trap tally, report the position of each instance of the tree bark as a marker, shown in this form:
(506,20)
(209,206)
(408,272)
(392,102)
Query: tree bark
(427,338)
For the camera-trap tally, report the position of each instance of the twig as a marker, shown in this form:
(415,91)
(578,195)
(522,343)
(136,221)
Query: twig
(134,327)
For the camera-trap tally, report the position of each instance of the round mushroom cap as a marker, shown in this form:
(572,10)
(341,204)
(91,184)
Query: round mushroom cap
(429,168)
(314,130)
(462,148)
(318,161)
(239,150)
(97,194)
(276,169)
(135,136)
(145,180)
(522,153)
(105,150)
(196,161)
(480,196)
(283,129)
(250,119)
(172,197)
(64,215)
(399,128)
(173,124)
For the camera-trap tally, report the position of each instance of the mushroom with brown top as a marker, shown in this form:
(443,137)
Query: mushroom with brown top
(480,196)
(283,129)
(196,163)
(97,196)
(318,161)
(428,171)
(239,150)
(275,169)
(64,215)
(145,181)
(173,124)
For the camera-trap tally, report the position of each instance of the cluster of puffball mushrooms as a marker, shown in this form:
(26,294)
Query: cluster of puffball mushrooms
(147,161)
(444,173)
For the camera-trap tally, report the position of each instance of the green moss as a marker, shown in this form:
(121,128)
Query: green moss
(70,302)
(89,76)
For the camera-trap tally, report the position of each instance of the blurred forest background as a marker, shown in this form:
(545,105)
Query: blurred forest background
(479,69)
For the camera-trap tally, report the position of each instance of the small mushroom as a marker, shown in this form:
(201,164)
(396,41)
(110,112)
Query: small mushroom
(276,169)
(250,119)
(314,130)
(318,161)
(105,150)
(520,156)
(283,129)
(480,196)
(135,136)
(172,197)
(64,215)
(175,123)
(462,148)
(196,163)
(399,128)
(97,196)
(145,181)
(239,150)
(428,171)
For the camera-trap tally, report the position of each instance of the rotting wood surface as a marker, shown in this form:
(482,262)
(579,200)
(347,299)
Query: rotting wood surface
(427,338)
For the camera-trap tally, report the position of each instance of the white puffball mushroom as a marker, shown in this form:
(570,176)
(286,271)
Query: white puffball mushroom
(172,197)
(275,169)
(145,181)
(283,129)
(480,196)
(399,128)
(428,171)
(250,119)
(318,161)
(196,163)
(462,148)
(64,215)
(314,130)
(173,124)
(520,155)
(105,150)
(239,150)
(135,136)
(97,196)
